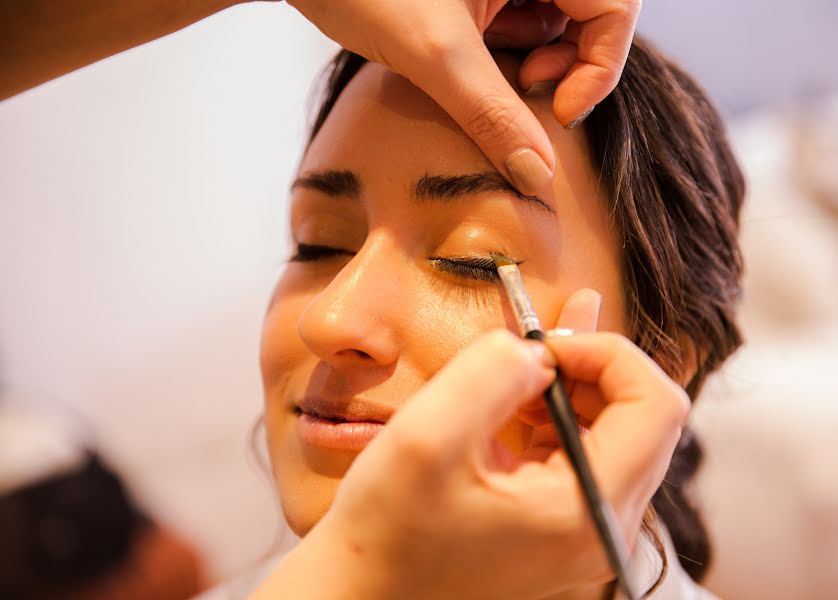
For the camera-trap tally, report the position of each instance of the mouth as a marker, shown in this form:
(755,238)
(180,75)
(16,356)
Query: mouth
(348,426)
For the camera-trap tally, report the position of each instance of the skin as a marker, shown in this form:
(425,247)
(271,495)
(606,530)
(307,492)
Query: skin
(378,320)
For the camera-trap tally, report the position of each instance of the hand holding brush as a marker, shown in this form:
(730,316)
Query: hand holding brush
(460,516)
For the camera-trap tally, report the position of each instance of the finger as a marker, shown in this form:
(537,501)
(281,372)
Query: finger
(587,405)
(604,30)
(547,63)
(631,441)
(530,25)
(580,313)
(463,406)
(464,79)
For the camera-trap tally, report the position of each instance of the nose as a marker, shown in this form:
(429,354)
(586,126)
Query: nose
(349,322)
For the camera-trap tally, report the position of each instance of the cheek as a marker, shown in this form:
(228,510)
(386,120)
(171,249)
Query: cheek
(444,324)
(282,350)
(279,335)
(445,320)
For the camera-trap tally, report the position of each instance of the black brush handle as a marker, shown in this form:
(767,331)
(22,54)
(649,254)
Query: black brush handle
(564,419)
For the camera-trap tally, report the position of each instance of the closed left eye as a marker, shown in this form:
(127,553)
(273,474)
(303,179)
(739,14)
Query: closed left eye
(476,268)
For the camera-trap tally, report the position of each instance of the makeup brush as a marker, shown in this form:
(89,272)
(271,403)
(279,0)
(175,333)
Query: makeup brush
(564,420)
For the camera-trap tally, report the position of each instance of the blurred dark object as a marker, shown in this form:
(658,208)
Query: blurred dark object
(77,535)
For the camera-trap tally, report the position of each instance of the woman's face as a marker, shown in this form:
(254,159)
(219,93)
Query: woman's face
(394,214)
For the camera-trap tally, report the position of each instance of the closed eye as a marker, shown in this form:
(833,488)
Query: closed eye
(477,268)
(471,267)
(312,252)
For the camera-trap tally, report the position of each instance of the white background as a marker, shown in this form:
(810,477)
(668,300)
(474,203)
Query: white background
(142,226)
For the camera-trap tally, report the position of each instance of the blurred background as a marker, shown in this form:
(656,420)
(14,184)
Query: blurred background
(143,223)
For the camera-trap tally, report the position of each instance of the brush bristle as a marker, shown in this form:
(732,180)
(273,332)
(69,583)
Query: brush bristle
(501,260)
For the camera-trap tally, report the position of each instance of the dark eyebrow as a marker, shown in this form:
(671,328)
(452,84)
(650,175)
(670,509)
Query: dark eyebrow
(331,183)
(451,187)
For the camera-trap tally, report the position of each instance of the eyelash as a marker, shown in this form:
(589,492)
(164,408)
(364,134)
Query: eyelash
(472,267)
(477,268)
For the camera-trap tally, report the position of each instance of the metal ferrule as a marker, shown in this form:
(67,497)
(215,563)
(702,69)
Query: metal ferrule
(519,298)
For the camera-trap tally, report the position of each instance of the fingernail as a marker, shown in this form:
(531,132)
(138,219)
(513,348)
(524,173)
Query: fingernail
(578,120)
(528,171)
(542,353)
(496,40)
(541,87)
(560,332)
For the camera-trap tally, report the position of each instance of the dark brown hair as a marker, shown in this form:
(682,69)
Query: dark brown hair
(674,193)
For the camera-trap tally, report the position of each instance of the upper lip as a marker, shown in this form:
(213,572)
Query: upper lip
(355,409)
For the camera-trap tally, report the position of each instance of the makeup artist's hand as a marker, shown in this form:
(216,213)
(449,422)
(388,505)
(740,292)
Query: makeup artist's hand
(436,508)
(440,47)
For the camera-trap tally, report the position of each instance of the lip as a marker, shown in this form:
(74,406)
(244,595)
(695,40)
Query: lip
(354,409)
(340,425)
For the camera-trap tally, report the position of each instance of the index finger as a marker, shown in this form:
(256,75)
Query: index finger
(469,399)
(631,442)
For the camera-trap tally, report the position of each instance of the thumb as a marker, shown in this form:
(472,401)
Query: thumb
(471,88)
(463,406)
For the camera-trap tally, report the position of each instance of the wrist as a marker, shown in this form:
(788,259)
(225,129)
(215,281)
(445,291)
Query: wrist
(327,565)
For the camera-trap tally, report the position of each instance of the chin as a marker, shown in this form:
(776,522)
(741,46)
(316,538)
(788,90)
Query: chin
(305,498)
(301,519)
(301,524)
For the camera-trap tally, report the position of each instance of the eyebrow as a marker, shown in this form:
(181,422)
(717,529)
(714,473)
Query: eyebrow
(331,183)
(453,187)
(346,183)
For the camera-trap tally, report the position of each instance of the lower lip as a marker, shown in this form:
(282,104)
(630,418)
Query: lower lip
(336,434)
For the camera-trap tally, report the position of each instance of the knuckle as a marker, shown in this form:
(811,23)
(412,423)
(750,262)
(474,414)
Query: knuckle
(680,404)
(618,342)
(673,406)
(492,119)
(629,8)
(677,401)
(502,347)
(506,348)
(434,41)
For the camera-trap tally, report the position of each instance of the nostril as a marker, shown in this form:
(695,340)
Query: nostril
(354,352)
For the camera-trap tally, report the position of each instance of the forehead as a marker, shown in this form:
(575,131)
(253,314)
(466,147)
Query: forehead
(382,121)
